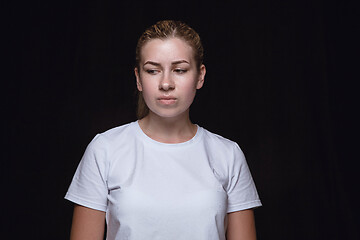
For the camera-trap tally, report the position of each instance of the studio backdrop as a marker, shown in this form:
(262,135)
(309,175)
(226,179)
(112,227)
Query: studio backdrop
(280,82)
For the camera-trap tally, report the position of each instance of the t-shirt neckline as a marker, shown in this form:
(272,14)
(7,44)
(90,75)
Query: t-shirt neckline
(146,138)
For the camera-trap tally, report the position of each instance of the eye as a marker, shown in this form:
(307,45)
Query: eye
(180,70)
(152,71)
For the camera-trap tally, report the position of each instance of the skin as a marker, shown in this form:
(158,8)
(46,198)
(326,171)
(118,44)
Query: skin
(168,78)
(241,225)
(87,224)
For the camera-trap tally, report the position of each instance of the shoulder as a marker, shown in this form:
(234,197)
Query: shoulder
(222,152)
(113,137)
(119,132)
(219,142)
(225,157)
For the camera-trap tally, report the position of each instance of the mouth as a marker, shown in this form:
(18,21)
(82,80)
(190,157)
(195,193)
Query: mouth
(167,100)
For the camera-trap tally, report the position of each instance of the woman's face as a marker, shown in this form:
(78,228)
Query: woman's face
(168,77)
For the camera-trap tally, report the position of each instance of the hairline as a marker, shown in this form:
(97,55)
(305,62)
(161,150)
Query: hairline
(168,37)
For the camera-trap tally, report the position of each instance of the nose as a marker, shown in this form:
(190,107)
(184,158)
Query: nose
(166,83)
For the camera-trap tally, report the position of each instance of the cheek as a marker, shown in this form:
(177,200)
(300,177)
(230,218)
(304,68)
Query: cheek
(147,84)
(149,90)
(189,90)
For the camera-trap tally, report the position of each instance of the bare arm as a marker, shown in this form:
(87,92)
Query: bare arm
(87,224)
(241,225)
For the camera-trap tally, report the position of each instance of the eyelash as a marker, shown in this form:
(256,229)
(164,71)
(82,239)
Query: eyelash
(151,71)
(177,70)
(181,71)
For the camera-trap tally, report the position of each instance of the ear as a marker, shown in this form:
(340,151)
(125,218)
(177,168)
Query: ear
(201,77)
(138,82)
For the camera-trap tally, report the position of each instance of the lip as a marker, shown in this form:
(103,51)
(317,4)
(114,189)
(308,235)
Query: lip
(167,100)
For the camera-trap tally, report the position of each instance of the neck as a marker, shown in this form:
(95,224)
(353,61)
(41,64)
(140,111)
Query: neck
(168,130)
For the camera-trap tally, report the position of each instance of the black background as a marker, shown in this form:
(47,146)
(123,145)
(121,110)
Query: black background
(281,81)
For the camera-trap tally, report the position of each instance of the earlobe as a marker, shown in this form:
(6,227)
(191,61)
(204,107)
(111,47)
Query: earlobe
(200,83)
(138,83)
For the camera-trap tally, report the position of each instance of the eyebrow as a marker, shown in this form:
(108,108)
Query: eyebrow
(173,63)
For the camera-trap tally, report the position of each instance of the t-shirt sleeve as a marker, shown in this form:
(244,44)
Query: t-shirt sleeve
(89,184)
(242,193)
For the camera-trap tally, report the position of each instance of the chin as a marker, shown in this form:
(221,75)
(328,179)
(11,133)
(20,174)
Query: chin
(170,113)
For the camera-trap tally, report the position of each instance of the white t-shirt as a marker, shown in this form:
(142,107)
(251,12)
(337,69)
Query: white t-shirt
(153,190)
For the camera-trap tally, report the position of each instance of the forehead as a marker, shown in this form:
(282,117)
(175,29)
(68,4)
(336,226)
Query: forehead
(169,49)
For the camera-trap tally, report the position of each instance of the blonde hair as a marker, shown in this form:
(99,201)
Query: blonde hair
(163,30)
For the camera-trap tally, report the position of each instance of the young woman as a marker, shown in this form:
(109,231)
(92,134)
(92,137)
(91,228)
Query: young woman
(163,177)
